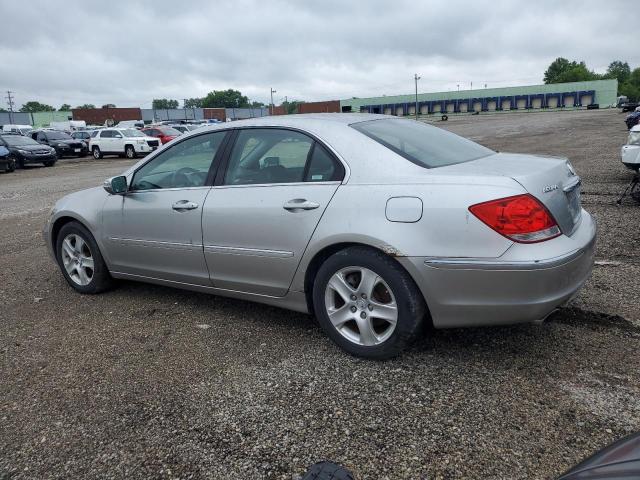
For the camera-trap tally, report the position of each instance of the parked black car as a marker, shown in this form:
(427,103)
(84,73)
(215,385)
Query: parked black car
(63,143)
(7,163)
(25,150)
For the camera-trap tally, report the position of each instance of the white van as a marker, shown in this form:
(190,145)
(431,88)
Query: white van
(131,124)
(69,125)
(19,129)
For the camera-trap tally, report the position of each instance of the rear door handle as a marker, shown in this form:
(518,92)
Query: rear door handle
(184,205)
(299,204)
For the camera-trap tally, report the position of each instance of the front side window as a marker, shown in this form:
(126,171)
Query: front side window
(422,144)
(267,155)
(106,134)
(185,164)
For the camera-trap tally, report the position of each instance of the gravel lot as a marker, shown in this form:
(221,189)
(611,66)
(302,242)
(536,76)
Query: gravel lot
(129,383)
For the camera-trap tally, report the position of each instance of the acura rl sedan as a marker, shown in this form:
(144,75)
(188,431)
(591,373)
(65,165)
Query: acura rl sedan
(376,225)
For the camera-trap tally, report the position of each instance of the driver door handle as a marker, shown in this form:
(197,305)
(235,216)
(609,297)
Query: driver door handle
(184,205)
(299,204)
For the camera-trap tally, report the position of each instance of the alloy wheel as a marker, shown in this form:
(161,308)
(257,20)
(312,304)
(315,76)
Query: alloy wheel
(77,259)
(361,306)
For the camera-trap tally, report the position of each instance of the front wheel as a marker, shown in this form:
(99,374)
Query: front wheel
(80,259)
(367,303)
(130,152)
(97,154)
(11,165)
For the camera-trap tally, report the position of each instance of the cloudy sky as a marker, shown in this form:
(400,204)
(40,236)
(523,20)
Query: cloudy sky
(129,52)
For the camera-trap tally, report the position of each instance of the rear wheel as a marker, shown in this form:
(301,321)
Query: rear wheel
(367,304)
(80,259)
(130,152)
(97,154)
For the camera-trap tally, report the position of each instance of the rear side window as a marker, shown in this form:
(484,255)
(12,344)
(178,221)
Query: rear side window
(106,134)
(322,167)
(422,144)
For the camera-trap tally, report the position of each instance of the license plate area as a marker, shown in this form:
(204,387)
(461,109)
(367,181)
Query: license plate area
(77,150)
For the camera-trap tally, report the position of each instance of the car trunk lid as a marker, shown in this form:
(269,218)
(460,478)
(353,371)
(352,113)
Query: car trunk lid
(550,179)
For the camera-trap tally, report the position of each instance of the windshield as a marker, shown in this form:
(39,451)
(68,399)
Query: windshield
(634,138)
(169,131)
(17,140)
(132,133)
(58,136)
(422,144)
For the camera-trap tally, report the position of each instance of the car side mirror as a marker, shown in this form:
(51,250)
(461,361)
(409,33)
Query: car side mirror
(116,185)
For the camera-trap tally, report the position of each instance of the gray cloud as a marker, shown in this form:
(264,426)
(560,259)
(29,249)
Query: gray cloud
(128,53)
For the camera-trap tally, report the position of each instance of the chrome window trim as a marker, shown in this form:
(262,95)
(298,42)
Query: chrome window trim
(255,252)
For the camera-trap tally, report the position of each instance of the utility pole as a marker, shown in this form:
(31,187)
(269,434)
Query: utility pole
(10,104)
(471,85)
(272,105)
(458,87)
(416,78)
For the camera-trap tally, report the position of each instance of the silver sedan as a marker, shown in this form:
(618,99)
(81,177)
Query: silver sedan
(376,225)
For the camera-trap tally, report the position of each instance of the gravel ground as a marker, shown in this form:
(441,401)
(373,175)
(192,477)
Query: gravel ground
(150,382)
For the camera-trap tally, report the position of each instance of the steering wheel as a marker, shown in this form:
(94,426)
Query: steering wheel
(181,178)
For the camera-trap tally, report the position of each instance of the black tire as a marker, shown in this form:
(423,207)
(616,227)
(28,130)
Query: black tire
(97,154)
(11,165)
(50,163)
(410,305)
(101,279)
(327,471)
(130,152)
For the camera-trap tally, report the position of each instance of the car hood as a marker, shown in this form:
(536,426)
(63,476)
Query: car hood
(619,460)
(30,148)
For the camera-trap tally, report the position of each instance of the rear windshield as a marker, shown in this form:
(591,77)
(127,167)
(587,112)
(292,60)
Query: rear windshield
(422,144)
(169,131)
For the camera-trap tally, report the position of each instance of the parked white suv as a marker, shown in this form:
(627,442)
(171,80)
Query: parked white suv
(127,142)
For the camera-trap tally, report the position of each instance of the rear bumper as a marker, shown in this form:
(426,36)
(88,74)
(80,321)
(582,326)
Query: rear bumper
(463,292)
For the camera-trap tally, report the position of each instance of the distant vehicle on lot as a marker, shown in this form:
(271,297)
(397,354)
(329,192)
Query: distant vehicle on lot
(376,224)
(183,128)
(83,135)
(632,119)
(63,143)
(7,162)
(127,142)
(626,106)
(164,133)
(139,124)
(18,129)
(630,153)
(68,125)
(26,151)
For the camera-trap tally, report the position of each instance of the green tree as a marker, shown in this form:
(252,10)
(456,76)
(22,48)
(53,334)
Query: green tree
(108,105)
(631,88)
(193,103)
(164,104)
(256,104)
(619,70)
(86,106)
(562,70)
(33,106)
(65,107)
(559,66)
(225,99)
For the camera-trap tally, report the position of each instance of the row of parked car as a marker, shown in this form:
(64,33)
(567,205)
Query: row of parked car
(20,147)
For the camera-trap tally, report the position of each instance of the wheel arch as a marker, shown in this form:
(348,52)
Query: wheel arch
(324,253)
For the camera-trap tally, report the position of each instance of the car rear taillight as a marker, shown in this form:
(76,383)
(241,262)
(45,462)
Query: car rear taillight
(521,218)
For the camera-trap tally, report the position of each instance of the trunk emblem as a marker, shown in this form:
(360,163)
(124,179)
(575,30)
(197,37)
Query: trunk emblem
(549,188)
